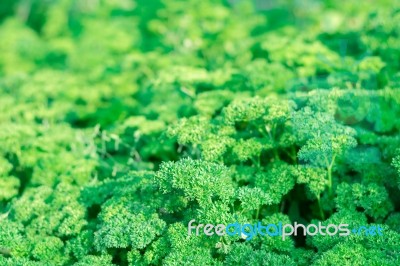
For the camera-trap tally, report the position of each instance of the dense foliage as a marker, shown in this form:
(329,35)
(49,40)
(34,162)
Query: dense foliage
(123,120)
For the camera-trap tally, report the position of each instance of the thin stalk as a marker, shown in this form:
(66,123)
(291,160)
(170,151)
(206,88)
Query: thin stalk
(330,181)
(321,212)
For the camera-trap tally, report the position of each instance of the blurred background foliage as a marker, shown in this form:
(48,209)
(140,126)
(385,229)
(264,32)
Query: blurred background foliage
(102,63)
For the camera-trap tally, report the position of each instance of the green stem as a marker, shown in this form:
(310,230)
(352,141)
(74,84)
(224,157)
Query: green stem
(282,206)
(294,155)
(256,162)
(271,137)
(276,154)
(330,181)
(321,212)
(257,213)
